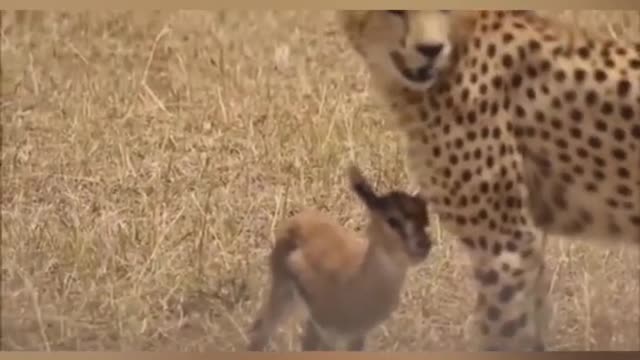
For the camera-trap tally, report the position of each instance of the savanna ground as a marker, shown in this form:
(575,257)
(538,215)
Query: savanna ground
(147,156)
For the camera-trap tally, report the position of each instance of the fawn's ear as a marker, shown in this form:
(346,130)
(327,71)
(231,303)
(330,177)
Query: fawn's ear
(362,188)
(419,198)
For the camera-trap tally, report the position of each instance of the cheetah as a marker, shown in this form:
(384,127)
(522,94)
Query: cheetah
(518,126)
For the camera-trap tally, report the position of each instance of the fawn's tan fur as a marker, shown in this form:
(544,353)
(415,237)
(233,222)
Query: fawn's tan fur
(348,284)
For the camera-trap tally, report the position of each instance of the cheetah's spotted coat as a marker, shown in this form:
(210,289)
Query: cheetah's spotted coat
(517,125)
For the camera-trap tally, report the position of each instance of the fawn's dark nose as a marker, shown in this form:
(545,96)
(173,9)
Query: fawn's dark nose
(430,51)
(424,246)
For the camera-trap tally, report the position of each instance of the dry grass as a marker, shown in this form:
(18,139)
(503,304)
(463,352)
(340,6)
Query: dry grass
(146,158)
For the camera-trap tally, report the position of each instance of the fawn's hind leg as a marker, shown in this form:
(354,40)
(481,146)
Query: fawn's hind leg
(280,300)
(311,339)
(357,344)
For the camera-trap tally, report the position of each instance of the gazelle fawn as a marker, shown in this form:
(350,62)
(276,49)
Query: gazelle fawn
(348,284)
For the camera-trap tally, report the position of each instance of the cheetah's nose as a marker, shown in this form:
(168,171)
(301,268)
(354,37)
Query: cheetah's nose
(430,51)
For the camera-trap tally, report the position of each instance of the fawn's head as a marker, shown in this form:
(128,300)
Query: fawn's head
(397,216)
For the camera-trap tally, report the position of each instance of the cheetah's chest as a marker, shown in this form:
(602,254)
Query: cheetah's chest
(463,157)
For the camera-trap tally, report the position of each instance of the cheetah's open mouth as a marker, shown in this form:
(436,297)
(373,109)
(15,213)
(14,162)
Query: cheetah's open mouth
(419,75)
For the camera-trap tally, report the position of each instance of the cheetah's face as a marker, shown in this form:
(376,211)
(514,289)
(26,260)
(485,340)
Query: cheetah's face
(409,46)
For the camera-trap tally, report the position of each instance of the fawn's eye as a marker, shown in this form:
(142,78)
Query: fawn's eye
(394,223)
(398,12)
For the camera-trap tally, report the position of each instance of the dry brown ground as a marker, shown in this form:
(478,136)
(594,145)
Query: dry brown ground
(146,158)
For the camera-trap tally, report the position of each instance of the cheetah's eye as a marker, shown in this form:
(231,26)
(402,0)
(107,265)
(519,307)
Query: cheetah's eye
(401,13)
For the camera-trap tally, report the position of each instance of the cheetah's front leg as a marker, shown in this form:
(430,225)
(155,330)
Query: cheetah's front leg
(511,312)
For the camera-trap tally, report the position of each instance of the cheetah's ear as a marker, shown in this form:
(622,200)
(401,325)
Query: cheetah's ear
(351,21)
(362,188)
(463,23)
(350,17)
(345,19)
